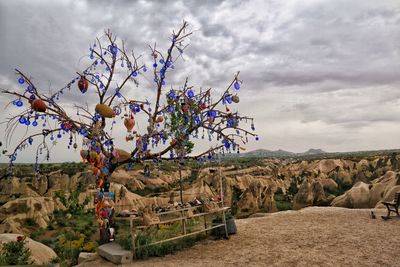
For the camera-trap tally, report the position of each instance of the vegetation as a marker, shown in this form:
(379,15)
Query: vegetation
(283,201)
(15,253)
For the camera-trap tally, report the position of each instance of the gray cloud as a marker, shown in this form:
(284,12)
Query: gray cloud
(316,73)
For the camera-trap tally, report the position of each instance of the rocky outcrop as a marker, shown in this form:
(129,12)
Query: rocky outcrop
(14,213)
(370,195)
(310,194)
(40,254)
(15,188)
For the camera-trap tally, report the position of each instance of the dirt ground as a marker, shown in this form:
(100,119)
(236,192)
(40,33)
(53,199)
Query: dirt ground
(316,236)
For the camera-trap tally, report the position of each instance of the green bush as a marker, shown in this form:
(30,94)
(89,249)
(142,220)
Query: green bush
(15,253)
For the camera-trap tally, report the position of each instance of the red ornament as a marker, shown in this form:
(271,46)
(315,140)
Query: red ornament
(129,123)
(39,105)
(83,84)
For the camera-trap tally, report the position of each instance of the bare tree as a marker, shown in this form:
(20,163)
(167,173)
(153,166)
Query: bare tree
(175,118)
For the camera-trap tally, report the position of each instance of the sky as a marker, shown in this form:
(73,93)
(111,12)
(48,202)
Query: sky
(316,73)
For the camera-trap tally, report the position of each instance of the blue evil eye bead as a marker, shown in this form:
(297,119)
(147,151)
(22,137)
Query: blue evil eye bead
(155,65)
(134,74)
(21,80)
(171,94)
(91,56)
(236,85)
(51,138)
(32,97)
(19,103)
(30,140)
(113,49)
(59,135)
(161,61)
(190,94)
(101,62)
(28,88)
(22,120)
(228,99)
(257,138)
(144,69)
(34,124)
(27,122)
(137,109)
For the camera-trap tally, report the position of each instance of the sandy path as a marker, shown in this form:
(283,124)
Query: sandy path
(310,237)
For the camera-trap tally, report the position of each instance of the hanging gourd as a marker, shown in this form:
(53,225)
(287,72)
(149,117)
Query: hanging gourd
(83,84)
(95,171)
(129,123)
(185,108)
(235,99)
(129,138)
(92,157)
(105,111)
(84,155)
(39,105)
(160,119)
(173,142)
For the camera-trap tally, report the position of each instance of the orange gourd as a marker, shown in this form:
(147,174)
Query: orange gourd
(39,105)
(83,84)
(129,123)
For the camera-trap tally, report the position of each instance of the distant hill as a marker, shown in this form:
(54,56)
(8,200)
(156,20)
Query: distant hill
(313,151)
(309,154)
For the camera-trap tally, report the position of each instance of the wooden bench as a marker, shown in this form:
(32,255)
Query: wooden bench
(393,205)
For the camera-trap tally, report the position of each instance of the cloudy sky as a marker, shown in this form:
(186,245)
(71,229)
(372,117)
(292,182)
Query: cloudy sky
(317,73)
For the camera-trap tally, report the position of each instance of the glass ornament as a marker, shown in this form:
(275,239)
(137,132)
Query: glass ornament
(19,103)
(190,94)
(21,80)
(236,85)
(22,120)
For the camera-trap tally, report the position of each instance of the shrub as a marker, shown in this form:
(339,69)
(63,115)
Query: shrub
(15,253)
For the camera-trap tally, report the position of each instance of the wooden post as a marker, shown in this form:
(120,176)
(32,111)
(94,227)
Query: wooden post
(226,227)
(205,222)
(133,237)
(180,183)
(220,181)
(183,222)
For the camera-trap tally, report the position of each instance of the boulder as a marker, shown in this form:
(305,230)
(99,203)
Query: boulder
(356,197)
(40,253)
(114,253)
(86,256)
